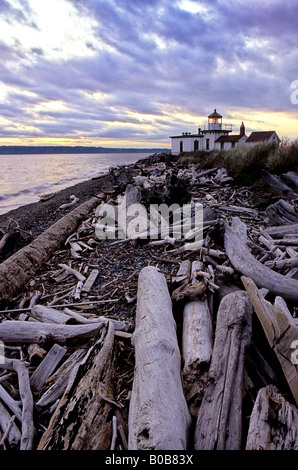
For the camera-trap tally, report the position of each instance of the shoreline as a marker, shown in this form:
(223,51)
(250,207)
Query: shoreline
(58,290)
(36,217)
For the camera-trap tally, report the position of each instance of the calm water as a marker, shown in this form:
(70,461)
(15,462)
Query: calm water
(24,178)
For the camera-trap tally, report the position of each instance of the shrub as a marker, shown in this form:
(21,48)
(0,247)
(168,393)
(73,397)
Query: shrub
(284,159)
(245,163)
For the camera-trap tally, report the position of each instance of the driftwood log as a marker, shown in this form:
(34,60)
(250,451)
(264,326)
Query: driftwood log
(18,332)
(197,343)
(83,418)
(244,262)
(291,178)
(158,414)
(280,329)
(219,422)
(281,212)
(279,231)
(58,381)
(27,401)
(273,423)
(278,186)
(11,432)
(20,267)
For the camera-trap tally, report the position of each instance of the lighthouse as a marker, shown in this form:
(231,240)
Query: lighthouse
(217,136)
(205,137)
(215,121)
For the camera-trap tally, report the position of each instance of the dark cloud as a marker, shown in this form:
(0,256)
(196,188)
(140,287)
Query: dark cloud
(151,55)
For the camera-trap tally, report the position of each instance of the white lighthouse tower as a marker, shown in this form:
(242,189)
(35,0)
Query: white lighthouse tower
(215,121)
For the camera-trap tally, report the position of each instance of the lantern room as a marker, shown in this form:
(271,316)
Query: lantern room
(215,121)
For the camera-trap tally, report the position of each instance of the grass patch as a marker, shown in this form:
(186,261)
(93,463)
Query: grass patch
(246,163)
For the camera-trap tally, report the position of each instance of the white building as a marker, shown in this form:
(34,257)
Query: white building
(268,137)
(217,137)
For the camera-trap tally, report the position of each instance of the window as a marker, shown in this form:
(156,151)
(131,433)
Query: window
(233,145)
(196,145)
(181,146)
(207,144)
(222,145)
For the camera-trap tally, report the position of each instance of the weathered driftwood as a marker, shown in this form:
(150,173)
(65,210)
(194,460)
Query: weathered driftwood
(45,314)
(13,331)
(244,262)
(74,200)
(72,271)
(17,270)
(27,400)
(83,418)
(197,343)
(283,264)
(13,435)
(76,317)
(36,353)
(47,366)
(273,422)
(219,422)
(278,186)
(279,231)
(12,404)
(57,382)
(281,212)
(280,330)
(291,178)
(90,280)
(12,234)
(158,414)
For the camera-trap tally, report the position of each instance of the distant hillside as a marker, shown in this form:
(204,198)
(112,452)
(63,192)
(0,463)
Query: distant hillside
(32,150)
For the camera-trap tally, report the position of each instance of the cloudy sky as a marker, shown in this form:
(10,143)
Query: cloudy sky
(130,73)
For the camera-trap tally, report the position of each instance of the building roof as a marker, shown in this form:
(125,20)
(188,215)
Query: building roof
(229,138)
(215,115)
(262,136)
(186,135)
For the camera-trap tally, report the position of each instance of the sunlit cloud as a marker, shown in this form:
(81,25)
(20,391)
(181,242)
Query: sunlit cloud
(131,73)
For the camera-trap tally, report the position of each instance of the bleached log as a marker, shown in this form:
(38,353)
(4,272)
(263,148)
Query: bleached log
(280,329)
(20,267)
(27,400)
(278,186)
(292,178)
(45,314)
(83,419)
(219,422)
(239,227)
(75,246)
(13,331)
(72,271)
(197,343)
(273,422)
(183,272)
(11,403)
(118,324)
(78,290)
(57,383)
(47,366)
(244,262)
(90,280)
(280,230)
(158,415)
(13,435)
(284,263)
(69,204)
(281,212)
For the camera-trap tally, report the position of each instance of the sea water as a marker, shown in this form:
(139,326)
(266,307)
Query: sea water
(25,178)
